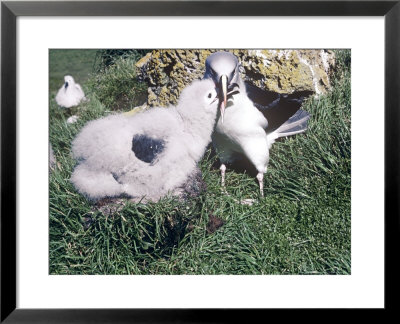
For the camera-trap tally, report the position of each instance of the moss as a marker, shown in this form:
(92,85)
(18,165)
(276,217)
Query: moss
(167,72)
(143,61)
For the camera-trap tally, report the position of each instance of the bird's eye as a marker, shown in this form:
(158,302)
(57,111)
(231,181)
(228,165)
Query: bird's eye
(209,95)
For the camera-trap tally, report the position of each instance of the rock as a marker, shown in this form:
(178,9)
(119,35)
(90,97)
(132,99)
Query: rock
(167,72)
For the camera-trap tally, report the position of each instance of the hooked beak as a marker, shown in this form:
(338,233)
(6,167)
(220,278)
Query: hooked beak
(66,85)
(224,89)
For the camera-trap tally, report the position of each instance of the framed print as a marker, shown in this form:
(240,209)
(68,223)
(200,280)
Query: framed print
(116,209)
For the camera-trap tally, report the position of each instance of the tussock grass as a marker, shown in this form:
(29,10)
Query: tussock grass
(302,226)
(116,85)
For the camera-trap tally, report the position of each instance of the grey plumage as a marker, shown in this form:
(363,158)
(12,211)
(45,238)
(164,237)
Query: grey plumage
(251,119)
(112,151)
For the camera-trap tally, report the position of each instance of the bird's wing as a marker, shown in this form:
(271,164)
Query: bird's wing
(276,108)
(294,125)
(147,148)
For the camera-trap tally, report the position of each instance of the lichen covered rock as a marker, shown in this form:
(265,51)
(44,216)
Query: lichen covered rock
(167,72)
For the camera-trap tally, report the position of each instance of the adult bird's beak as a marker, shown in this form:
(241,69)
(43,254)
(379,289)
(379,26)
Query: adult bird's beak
(224,89)
(66,85)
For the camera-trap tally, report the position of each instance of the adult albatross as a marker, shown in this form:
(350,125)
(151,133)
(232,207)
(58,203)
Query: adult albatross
(251,119)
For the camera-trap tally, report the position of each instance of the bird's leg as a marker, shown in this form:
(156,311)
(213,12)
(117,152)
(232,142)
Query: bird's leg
(223,169)
(260,178)
(242,202)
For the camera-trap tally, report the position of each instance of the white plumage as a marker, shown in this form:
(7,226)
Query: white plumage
(70,94)
(242,132)
(148,154)
(246,128)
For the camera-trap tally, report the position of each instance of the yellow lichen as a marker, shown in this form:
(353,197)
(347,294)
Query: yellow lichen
(284,71)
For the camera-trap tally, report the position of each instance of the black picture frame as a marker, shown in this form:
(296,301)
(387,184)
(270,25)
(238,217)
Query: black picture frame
(10,10)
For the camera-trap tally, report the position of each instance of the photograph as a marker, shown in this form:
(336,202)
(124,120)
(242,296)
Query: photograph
(199,161)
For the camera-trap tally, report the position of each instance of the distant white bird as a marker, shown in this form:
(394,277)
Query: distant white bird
(148,154)
(70,94)
(251,119)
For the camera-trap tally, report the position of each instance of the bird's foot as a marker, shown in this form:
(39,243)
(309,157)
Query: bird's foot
(260,178)
(223,190)
(223,169)
(248,202)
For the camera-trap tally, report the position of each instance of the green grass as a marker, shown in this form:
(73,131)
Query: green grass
(302,226)
(117,87)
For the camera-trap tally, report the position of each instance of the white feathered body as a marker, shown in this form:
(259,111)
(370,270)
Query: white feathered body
(70,95)
(243,132)
(108,167)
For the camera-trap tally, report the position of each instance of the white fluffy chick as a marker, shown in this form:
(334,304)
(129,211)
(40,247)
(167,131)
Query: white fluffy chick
(70,94)
(147,155)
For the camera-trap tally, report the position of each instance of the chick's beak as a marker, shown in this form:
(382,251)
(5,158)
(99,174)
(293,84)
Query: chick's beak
(224,88)
(66,85)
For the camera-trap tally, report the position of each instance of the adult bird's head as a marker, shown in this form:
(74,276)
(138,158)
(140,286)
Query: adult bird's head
(223,69)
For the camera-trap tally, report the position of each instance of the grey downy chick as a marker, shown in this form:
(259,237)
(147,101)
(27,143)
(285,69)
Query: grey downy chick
(147,155)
